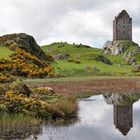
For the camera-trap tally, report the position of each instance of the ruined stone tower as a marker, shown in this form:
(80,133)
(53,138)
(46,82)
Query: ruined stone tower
(123,119)
(122,27)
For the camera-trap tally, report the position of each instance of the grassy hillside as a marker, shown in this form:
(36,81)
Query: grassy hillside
(81,61)
(5,52)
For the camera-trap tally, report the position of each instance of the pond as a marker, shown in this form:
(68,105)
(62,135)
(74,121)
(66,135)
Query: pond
(100,117)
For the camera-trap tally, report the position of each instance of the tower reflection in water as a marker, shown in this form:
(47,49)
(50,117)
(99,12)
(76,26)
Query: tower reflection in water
(123,109)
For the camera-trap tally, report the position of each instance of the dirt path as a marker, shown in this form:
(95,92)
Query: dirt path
(95,86)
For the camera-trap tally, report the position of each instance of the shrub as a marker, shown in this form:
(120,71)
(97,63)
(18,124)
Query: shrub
(20,88)
(64,109)
(77,62)
(136,69)
(102,59)
(15,99)
(24,64)
(70,60)
(44,93)
(5,78)
(74,61)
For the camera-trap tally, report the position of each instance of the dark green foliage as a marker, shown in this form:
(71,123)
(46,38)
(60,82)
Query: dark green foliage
(102,59)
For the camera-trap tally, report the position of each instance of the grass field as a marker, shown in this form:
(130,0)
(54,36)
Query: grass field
(4,52)
(81,63)
(79,79)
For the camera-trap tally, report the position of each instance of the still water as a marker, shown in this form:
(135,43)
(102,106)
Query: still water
(101,117)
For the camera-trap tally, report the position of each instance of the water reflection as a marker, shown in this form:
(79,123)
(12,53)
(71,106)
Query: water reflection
(123,118)
(122,110)
(97,117)
(17,130)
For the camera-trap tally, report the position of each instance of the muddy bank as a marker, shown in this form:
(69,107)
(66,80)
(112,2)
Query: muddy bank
(94,86)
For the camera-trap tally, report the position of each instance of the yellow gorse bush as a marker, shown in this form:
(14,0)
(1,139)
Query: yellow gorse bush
(22,63)
(16,99)
(5,78)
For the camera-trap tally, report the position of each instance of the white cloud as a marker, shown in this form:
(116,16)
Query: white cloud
(88,22)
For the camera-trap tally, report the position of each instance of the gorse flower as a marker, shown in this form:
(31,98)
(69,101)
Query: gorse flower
(22,63)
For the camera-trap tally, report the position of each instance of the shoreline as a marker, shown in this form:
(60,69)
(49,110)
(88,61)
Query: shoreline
(87,78)
(89,85)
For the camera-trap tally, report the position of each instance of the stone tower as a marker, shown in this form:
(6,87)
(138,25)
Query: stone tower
(122,27)
(123,119)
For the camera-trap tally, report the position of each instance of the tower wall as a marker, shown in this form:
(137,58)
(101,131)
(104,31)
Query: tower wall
(122,27)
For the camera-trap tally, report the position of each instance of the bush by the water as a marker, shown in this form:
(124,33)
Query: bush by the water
(18,126)
(44,90)
(19,98)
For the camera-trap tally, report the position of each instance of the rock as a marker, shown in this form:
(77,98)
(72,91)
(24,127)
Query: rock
(137,67)
(25,42)
(120,98)
(128,49)
(102,59)
(95,69)
(119,47)
(130,61)
(61,56)
(111,47)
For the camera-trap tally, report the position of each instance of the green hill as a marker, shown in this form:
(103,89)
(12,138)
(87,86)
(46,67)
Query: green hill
(82,60)
(70,59)
(21,56)
(24,42)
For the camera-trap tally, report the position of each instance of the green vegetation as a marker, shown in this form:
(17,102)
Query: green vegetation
(22,63)
(5,52)
(24,42)
(19,61)
(72,61)
(18,126)
(21,56)
(40,102)
(80,61)
(5,117)
(128,100)
(137,56)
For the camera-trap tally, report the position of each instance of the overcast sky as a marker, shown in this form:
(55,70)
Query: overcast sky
(80,21)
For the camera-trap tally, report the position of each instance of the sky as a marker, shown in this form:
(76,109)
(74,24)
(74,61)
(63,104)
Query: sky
(74,21)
